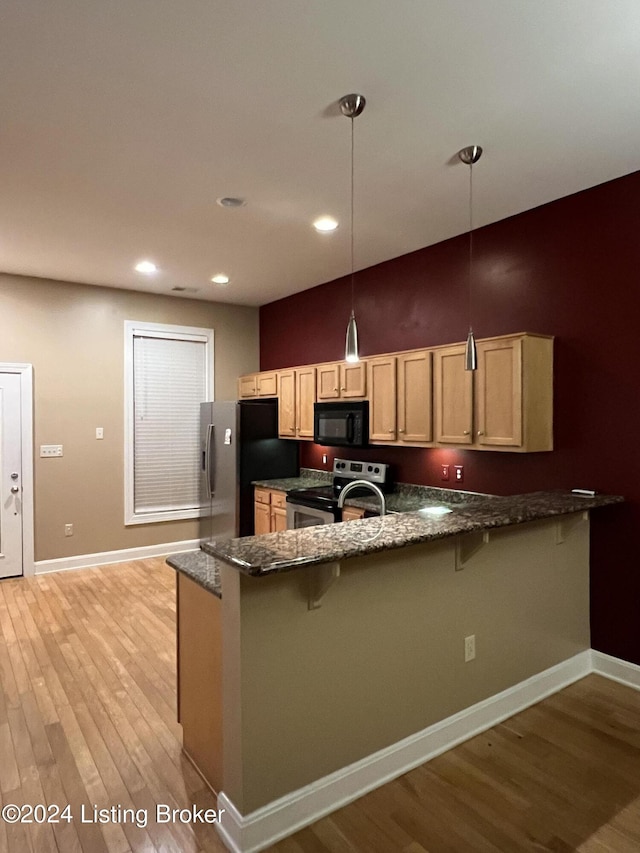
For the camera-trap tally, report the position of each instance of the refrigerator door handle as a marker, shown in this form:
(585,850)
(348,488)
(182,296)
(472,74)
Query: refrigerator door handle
(209,468)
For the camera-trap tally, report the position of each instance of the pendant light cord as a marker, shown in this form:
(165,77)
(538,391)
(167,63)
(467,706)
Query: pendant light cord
(352,241)
(470,242)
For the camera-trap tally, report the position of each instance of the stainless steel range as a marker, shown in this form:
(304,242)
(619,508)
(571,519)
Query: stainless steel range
(319,505)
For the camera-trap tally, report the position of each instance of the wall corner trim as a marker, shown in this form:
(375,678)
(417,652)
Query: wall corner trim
(280,818)
(103,558)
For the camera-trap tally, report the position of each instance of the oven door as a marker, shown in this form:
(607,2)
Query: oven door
(299,516)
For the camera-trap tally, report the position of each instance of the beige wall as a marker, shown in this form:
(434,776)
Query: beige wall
(73,335)
(307,692)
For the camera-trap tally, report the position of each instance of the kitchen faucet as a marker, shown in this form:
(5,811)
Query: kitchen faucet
(364,484)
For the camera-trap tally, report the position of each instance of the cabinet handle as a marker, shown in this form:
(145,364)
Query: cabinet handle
(343,389)
(335,389)
(401,430)
(465,432)
(480,432)
(292,429)
(392,430)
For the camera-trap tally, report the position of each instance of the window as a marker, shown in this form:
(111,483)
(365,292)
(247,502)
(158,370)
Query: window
(168,373)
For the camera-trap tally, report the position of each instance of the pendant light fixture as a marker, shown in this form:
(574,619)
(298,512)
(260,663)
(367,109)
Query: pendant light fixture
(470,156)
(351,106)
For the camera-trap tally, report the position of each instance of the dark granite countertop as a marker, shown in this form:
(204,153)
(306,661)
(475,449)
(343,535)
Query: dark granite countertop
(308,479)
(200,567)
(290,549)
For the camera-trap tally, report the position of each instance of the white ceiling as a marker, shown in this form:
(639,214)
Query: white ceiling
(122,121)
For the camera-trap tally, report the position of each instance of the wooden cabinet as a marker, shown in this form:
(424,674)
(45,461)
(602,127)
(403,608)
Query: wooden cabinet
(295,402)
(270,510)
(258,385)
(352,513)
(422,398)
(400,398)
(453,396)
(341,380)
(507,404)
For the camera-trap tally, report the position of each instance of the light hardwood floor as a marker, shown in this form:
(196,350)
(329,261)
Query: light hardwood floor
(87,716)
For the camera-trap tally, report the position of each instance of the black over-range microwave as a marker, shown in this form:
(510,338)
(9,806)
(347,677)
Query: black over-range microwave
(341,424)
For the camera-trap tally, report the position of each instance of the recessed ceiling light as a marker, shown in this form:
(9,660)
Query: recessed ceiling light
(221,278)
(146,267)
(325,224)
(230,201)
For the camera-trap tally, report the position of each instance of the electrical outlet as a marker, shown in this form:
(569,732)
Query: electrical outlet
(459,471)
(444,472)
(469,648)
(324,458)
(99,432)
(50,450)
(68,530)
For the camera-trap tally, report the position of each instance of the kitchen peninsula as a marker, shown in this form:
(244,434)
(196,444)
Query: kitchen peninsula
(336,652)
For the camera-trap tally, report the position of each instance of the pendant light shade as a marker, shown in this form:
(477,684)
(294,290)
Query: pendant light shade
(351,344)
(471,352)
(470,156)
(351,106)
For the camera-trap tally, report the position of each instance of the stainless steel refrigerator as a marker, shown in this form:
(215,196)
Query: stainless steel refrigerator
(239,444)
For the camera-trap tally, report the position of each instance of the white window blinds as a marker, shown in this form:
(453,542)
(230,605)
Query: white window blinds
(170,378)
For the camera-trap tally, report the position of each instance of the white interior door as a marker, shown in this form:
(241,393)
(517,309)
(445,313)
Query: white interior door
(11,502)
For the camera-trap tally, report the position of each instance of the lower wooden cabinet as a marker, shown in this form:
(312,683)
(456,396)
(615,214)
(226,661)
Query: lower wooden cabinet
(199,630)
(352,513)
(270,510)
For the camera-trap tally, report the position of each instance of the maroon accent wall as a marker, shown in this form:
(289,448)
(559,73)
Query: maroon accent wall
(571,269)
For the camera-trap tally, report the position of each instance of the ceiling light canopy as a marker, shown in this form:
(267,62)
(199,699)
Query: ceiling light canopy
(325,224)
(146,267)
(220,278)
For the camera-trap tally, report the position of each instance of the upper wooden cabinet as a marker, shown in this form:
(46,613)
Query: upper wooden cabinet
(341,380)
(453,396)
(295,402)
(423,398)
(507,404)
(258,385)
(400,398)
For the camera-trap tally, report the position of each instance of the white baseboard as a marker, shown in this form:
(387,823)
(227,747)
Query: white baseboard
(263,827)
(85,561)
(615,669)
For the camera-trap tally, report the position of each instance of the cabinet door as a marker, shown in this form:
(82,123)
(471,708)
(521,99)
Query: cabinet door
(453,387)
(499,393)
(287,404)
(266,384)
(262,516)
(353,379)
(382,399)
(278,519)
(328,381)
(352,513)
(247,386)
(414,397)
(305,398)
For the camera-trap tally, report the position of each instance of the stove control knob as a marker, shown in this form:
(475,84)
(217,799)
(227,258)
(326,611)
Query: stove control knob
(376,470)
(370,469)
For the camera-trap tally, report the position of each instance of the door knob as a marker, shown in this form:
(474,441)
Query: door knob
(15,475)
(15,489)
